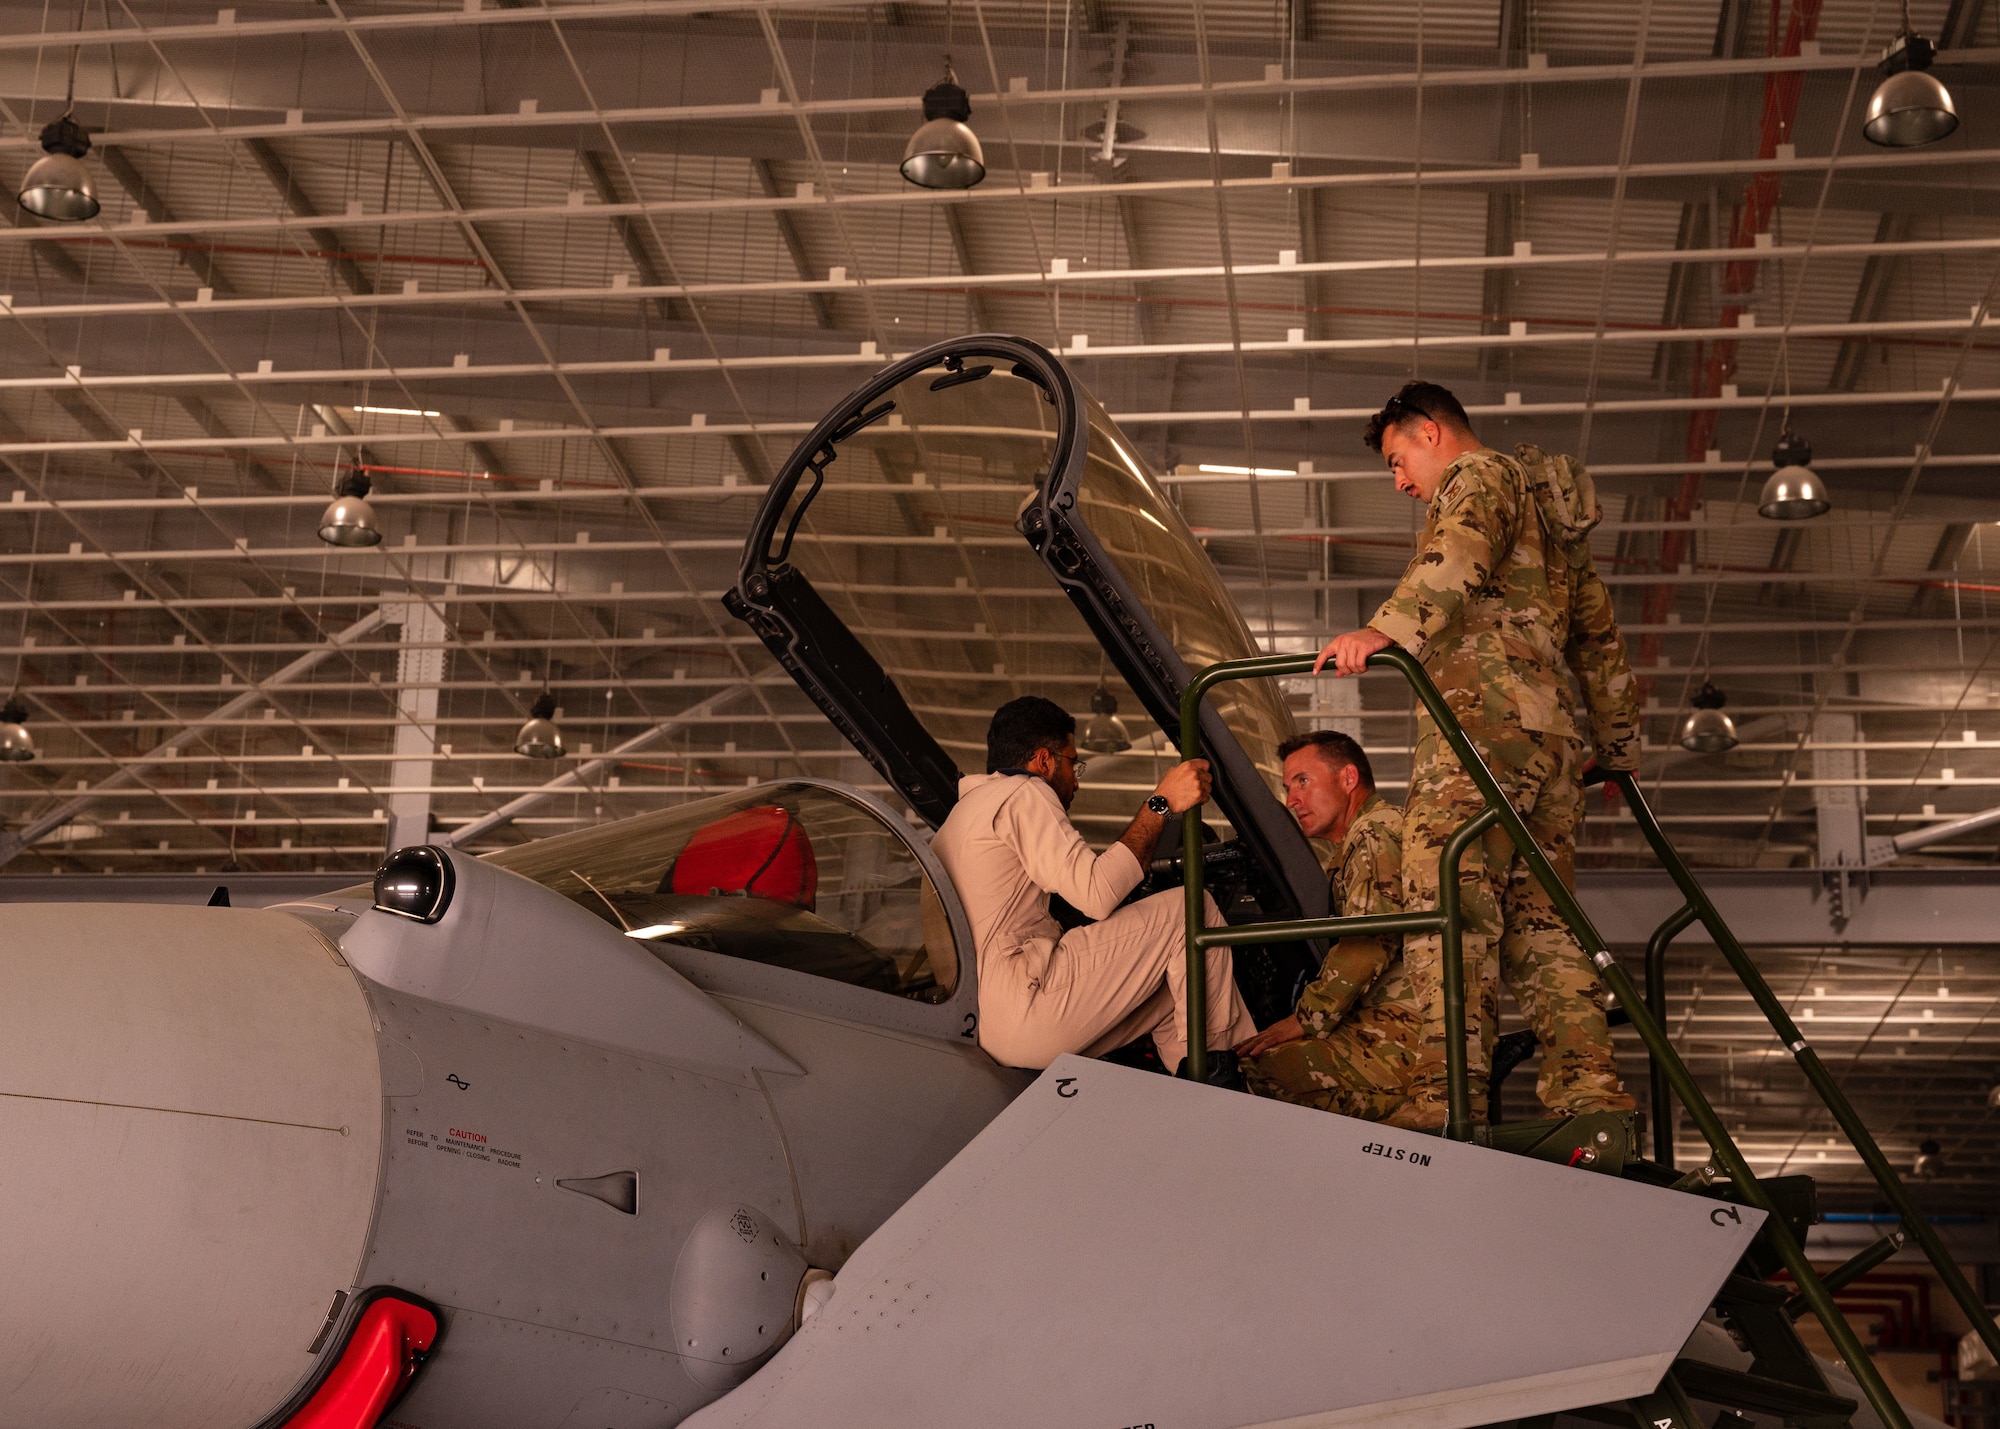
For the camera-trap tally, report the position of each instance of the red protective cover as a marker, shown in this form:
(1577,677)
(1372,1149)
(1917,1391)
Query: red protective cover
(762,852)
(381,1357)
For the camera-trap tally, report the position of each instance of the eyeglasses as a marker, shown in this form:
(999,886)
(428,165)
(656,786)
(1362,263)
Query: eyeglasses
(1396,408)
(1077,766)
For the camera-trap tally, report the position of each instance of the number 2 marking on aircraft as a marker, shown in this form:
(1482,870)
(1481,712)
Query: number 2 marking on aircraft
(971,1025)
(1715,1216)
(1065,1086)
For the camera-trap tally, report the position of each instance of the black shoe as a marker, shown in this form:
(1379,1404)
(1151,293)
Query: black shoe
(1223,1071)
(1141,1055)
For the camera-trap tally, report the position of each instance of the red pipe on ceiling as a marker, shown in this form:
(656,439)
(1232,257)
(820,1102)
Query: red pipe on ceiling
(1716,361)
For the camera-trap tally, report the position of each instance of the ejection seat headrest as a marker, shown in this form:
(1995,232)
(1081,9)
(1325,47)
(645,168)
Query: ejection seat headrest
(761,852)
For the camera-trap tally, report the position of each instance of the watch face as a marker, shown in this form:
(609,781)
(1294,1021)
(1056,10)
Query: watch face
(1159,805)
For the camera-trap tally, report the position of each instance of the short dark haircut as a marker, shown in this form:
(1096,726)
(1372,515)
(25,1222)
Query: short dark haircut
(1334,747)
(1020,727)
(1417,402)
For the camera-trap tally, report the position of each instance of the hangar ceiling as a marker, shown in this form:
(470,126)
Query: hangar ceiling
(568,281)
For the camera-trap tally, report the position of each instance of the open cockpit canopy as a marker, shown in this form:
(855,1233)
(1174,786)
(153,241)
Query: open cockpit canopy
(970,526)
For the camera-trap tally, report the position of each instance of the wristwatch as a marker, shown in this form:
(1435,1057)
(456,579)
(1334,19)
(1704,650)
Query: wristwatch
(1158,804)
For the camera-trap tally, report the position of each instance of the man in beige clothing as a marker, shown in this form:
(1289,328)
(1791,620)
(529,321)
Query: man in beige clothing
(1009,844)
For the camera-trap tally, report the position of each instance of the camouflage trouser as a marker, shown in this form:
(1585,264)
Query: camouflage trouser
(1507,919)
(1544,967)
(1362,1070)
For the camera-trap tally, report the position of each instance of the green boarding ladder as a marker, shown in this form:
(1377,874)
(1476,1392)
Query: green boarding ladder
(1783,1378)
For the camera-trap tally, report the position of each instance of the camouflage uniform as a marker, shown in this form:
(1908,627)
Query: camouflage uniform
(1486,615)
(1362,1019)
(1558,990)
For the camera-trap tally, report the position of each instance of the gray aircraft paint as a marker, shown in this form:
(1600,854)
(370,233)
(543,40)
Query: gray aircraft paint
(1121,1248)
(509,948)
(190,1113)
(517,1043)
(773,1120)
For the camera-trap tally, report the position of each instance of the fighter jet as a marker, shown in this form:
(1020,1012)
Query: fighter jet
(684,1118)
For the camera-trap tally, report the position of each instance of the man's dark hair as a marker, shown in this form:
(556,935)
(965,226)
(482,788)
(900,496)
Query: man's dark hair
(1334,747)
(1415,403)
(1020,727)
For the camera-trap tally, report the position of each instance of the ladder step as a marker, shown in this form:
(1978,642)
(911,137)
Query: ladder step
(1734,1389)
(1742,1290)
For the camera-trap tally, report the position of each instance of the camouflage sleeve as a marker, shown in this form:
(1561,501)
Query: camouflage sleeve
(1596,652)
(1469,530)
(1353,964)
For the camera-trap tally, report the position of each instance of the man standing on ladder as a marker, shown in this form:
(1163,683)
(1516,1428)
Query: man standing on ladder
(1486,608)
(1555,985)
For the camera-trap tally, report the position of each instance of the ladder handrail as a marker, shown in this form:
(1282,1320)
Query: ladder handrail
(1821,1080)
(1443,922)
(1722,1146)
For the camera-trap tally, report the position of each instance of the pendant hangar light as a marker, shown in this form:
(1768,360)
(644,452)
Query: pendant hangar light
(944,153)
(1911,106)
(1104,732)
(1929,1164)
(539,738)
(57,185)
(17,746)
(1707,730)
(349,520)
(1793,491)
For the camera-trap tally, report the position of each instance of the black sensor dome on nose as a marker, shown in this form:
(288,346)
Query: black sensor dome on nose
(415,882)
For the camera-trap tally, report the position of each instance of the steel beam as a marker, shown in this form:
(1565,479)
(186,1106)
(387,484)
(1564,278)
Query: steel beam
(329,242)
(795,244)
(1900,908)
(961,246)
(581,775)
(133,772)
(1895,907)
(142,193)
(419,677)
(631,232)
(1871,296)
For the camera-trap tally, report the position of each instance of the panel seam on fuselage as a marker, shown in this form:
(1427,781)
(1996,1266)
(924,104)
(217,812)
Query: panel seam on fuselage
(785,1147)
(176,1111)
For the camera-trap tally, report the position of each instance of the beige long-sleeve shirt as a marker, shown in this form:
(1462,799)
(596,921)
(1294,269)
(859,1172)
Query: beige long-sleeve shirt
(1008,844)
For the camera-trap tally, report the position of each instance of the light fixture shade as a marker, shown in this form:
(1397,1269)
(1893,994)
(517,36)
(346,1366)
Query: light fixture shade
(1707,730)
(17,746)
(1104,732)
(348,519)
(59,186)
(1929,1164)
(1909,108)
(1793,493)
(945,153)
(539,738)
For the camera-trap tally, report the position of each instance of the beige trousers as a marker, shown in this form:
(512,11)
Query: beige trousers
(1107,984)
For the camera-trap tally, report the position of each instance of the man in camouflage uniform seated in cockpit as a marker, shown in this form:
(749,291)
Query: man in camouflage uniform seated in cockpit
(1352,1044)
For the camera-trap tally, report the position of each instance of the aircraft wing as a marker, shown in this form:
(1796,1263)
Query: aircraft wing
(1122,1249)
